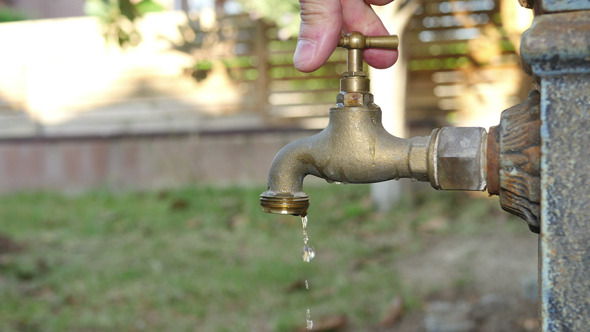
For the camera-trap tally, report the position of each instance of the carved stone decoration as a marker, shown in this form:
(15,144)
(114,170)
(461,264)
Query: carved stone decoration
(514,155)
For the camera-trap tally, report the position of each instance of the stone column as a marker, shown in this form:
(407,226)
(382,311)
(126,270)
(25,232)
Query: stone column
(557,48)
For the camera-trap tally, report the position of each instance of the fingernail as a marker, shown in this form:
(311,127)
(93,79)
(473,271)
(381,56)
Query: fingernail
(304,53)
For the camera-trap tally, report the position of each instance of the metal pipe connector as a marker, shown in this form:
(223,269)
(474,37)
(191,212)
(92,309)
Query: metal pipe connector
(459,159)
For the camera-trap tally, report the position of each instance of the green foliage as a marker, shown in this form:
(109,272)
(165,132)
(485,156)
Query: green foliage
(208,259)
(118,18)
(148,6)
(10,15)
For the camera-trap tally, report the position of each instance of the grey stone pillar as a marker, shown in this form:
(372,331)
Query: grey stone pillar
(557,47)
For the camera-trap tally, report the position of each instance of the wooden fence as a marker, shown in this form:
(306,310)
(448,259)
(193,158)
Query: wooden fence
(149,126)
(461,65)
(261,65)
(462,62)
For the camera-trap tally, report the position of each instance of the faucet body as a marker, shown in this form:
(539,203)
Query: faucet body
(353,148)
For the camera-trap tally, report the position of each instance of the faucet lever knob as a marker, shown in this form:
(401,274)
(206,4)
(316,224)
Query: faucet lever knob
(356,40)
(355,80)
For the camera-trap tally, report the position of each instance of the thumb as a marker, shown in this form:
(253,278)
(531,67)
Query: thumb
(321,26)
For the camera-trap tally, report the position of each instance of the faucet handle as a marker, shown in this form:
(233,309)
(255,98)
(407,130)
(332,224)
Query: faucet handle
(355,80)
(356,40)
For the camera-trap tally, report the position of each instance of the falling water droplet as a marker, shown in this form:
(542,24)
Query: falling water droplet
(304,224)
(308,253)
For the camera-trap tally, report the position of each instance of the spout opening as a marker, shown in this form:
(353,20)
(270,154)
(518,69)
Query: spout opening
(284,203)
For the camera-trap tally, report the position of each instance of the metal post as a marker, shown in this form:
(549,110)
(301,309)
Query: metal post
(557,47)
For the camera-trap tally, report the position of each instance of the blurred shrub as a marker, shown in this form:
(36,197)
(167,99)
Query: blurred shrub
(118,17)
(10,15)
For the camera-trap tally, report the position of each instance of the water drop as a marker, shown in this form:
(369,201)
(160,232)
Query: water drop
(305,235)
(414,179)
(308,253)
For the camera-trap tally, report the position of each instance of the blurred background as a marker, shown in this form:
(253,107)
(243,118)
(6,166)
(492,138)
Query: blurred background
(136,136)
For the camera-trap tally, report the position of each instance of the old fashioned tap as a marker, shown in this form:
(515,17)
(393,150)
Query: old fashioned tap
(355,148)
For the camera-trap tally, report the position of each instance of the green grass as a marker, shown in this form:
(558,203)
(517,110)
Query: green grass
(207,259)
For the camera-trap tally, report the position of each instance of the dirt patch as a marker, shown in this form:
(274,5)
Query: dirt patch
(481,283)
(491,263)
(466,283)
(8,245)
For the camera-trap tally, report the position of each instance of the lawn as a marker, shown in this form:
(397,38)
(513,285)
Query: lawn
(208,259)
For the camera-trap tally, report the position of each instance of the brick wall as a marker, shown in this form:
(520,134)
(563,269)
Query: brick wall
(139,162)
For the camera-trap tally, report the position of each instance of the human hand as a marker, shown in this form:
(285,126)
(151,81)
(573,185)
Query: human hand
(322,22)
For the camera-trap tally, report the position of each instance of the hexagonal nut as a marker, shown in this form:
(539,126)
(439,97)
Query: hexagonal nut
(460,158)
(357,99)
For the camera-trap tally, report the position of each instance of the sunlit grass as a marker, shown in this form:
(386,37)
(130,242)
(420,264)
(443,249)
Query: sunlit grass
(207,259)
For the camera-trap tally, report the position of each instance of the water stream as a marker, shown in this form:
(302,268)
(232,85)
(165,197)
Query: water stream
(308,251)
(307,255)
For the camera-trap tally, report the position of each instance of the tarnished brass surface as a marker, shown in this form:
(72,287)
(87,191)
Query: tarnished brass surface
(460,159)
(285,203)
(359,41)
(514,160)
(355,148)
(355,79)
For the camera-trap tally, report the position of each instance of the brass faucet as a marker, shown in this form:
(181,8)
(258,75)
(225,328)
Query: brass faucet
(355,148)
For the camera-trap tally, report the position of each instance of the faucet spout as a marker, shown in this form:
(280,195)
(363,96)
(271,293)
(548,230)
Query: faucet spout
(353,148)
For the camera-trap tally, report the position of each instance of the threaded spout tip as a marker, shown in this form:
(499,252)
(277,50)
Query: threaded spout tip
(284,203)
